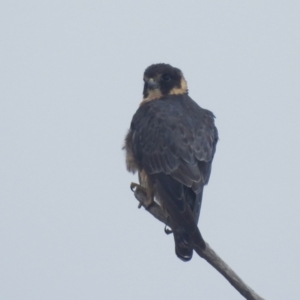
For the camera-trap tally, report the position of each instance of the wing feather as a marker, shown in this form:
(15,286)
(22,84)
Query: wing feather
(174,141)
(177,137)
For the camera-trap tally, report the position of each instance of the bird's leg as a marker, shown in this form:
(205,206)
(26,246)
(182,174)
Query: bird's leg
(150,197)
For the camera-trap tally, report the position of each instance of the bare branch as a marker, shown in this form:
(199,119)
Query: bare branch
(208,254)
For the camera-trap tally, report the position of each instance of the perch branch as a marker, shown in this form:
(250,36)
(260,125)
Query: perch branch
(208,254)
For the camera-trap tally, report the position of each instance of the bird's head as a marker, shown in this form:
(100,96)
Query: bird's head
(161,80)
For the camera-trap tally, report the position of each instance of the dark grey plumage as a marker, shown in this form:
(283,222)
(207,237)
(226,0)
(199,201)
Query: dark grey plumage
(173,140)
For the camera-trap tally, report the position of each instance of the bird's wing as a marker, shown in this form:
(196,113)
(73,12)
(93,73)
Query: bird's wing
(175,136)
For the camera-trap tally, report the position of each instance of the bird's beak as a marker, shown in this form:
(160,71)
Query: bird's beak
(152,84)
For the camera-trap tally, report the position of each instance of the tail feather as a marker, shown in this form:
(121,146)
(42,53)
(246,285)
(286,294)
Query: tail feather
(183,217)
(183,245)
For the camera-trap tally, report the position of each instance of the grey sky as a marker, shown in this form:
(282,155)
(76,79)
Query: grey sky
(71,79)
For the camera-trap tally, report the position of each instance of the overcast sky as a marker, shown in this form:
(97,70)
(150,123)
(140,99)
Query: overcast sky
(71,79)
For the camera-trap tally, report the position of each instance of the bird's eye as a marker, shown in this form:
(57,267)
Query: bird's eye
(166,77)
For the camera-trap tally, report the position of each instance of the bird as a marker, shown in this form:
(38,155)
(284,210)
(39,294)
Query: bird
(171,143)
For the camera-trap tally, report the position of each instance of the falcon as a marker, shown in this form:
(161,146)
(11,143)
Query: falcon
(171,144)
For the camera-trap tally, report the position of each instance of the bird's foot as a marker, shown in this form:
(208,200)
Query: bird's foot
(167,230)
(134,187)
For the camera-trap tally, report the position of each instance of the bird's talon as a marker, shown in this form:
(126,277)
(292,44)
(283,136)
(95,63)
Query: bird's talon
(134,186)
(167,230)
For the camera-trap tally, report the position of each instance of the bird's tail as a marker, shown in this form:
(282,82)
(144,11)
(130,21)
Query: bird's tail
(183,241)
(183,244)
(183,220)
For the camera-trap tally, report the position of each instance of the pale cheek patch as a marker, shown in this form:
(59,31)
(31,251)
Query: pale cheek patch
(157,94)
(153,94)
(182,90)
